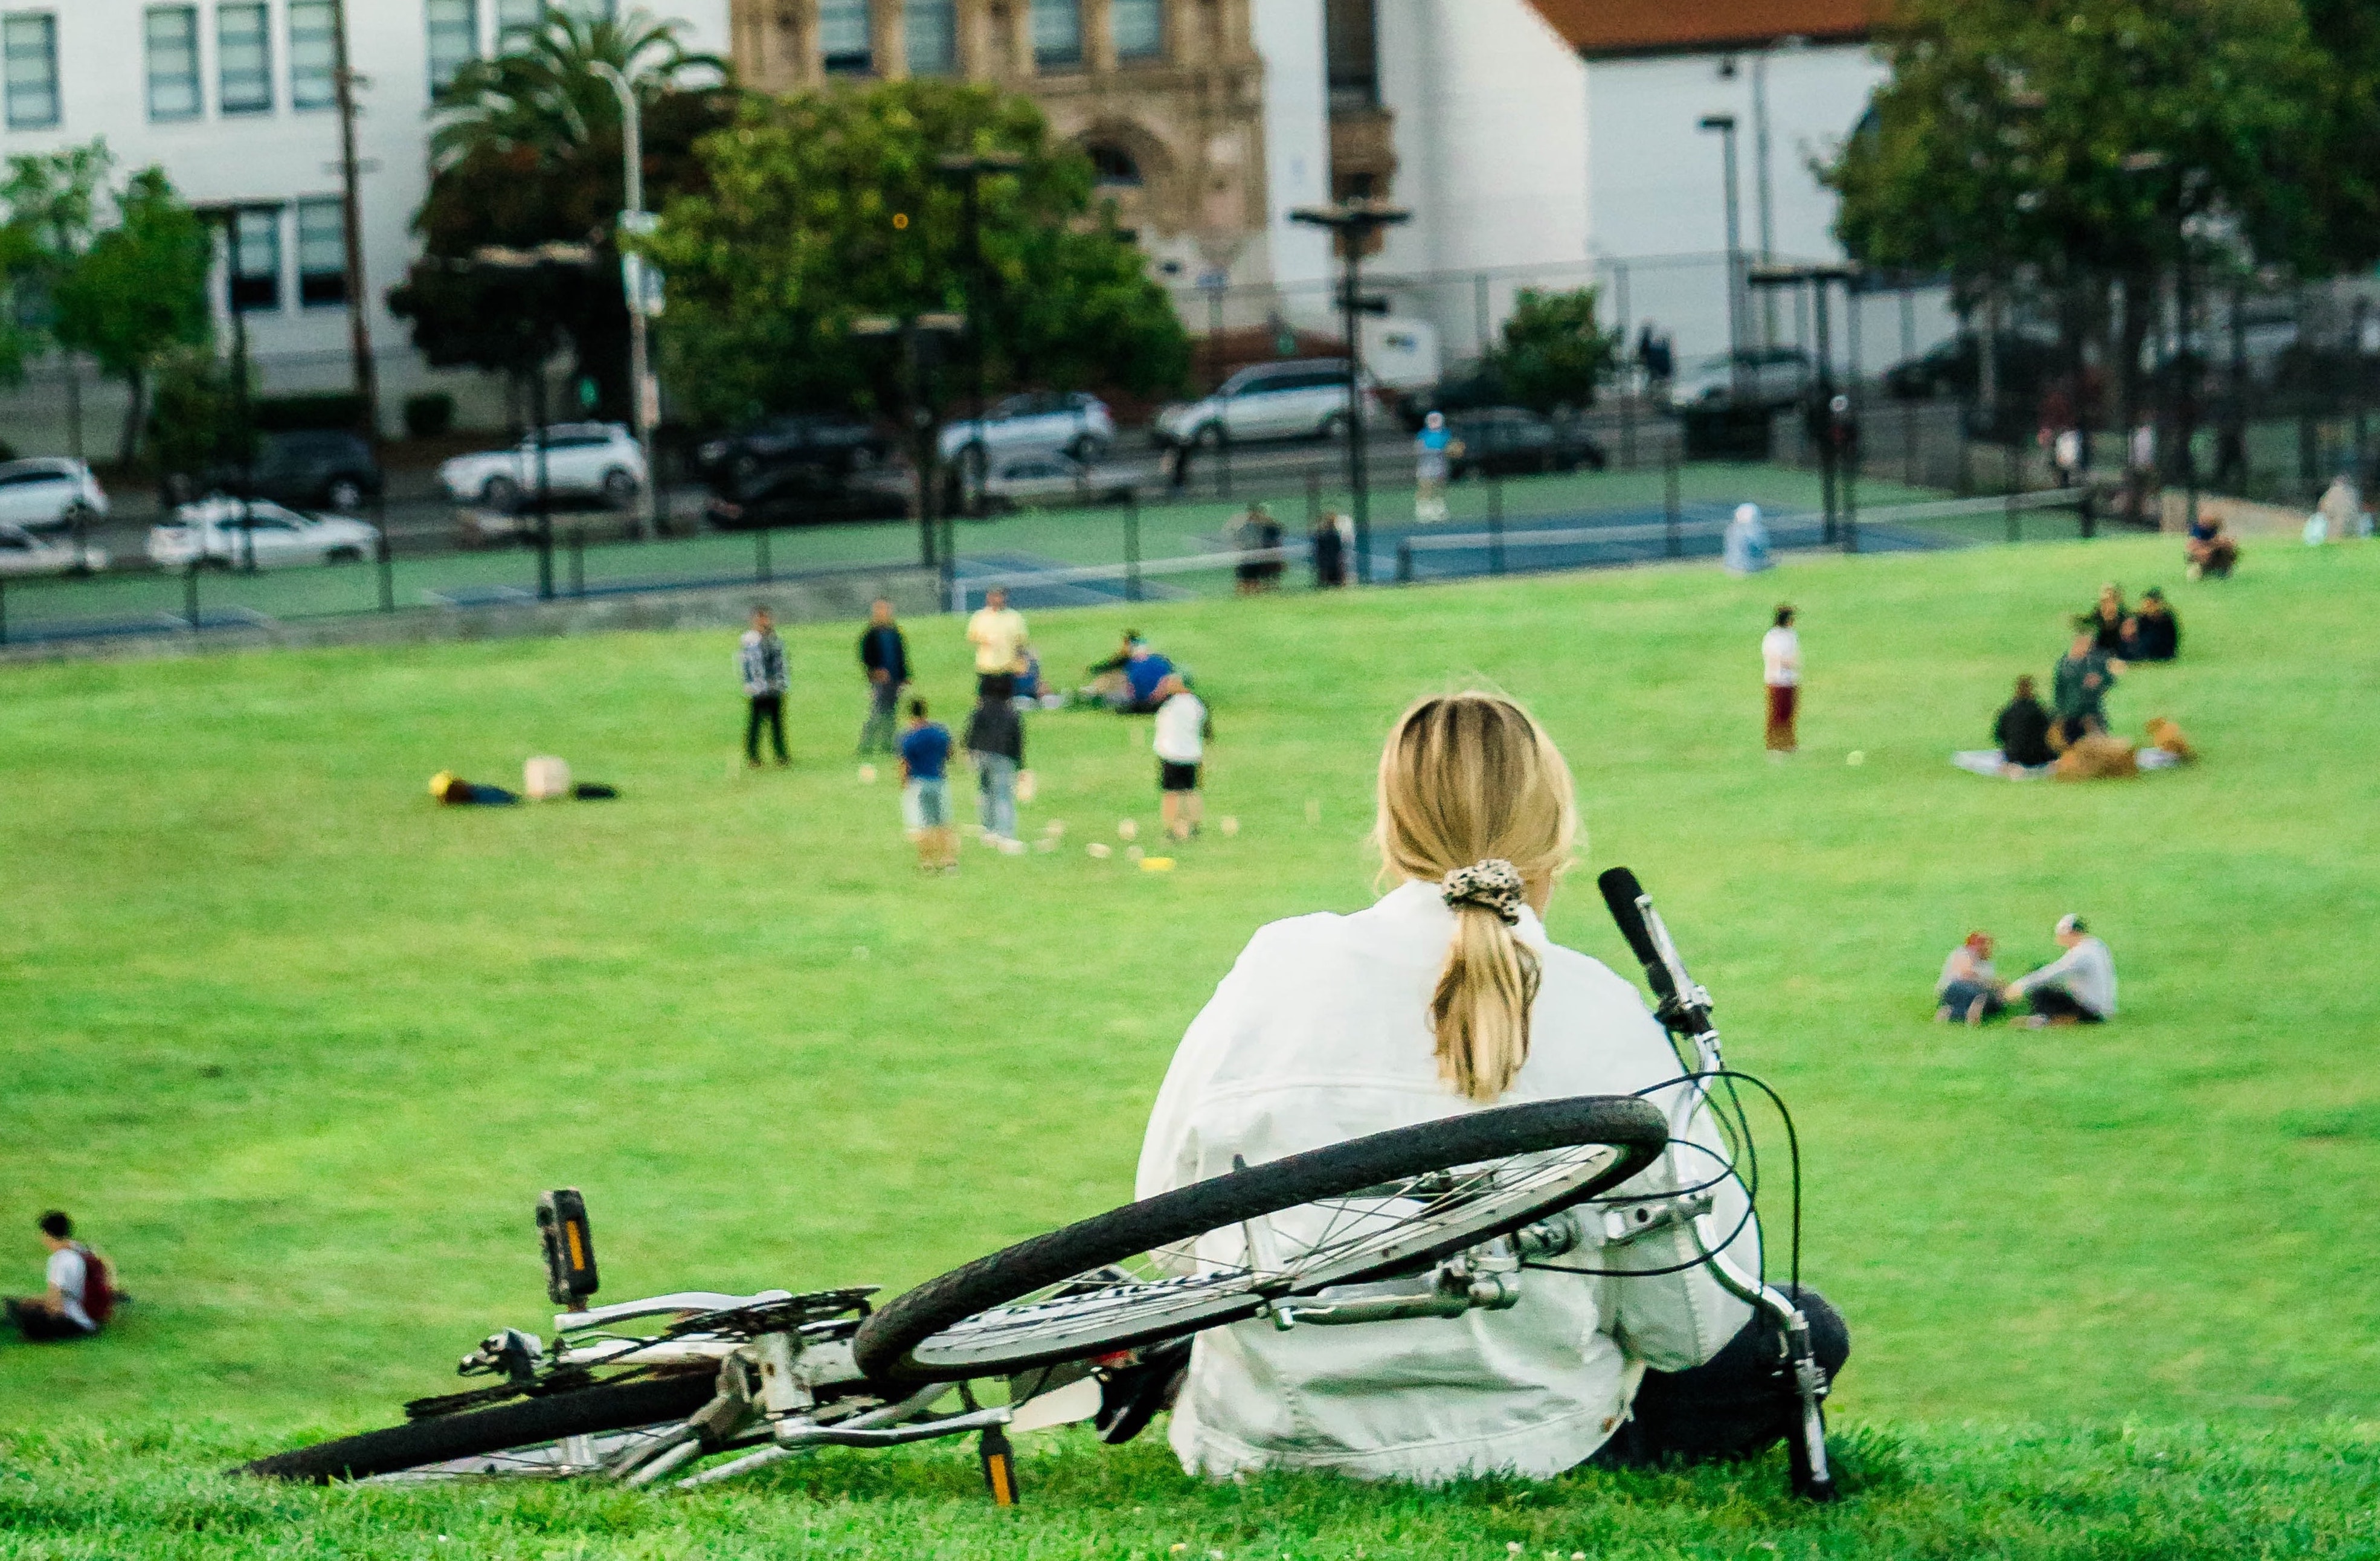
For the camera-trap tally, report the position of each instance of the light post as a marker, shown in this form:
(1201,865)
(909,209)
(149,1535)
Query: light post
(635,221)
(920,337)
(967,169)
(1353,225)
(1725,125)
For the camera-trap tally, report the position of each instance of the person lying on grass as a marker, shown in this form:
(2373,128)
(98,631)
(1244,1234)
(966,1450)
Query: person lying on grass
(1445,997)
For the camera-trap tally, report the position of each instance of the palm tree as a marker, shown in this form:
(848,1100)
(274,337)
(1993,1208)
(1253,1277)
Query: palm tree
(542,97)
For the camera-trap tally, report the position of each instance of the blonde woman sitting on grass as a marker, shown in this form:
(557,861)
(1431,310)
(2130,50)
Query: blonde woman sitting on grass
(1446,997)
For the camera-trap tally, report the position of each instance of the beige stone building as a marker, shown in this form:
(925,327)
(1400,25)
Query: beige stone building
(1166,95)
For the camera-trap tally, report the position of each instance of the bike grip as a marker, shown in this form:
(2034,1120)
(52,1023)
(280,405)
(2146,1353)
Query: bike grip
(1620,893)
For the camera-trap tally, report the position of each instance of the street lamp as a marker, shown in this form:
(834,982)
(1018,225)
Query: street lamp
(920,336)
(967,169)
(1354,224)
(1725,125)
(643,396)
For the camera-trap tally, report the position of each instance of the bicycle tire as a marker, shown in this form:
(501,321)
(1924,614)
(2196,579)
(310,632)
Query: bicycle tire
(887,1344)
(614,1406)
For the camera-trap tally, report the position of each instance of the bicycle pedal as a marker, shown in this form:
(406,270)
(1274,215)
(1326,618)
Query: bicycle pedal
(999,1466)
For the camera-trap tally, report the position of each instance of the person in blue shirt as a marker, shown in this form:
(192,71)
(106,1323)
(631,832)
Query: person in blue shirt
(926,792)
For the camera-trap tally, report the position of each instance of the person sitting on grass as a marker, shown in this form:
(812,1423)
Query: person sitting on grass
(1443,998)
(2022,728)
(2107,619)
(2080,688)
(2153,633)
(81,1290)
(2208,551)
(1968,990)
(2078,987)
(925,790)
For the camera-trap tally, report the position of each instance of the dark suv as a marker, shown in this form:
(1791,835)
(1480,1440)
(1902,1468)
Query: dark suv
(313,469)
(835,448)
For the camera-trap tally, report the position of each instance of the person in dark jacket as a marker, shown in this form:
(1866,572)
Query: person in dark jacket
(1330,553)
(995,742)
(884,654)
(2022,729)
(2107,619)
(2084,674)
(2153,633)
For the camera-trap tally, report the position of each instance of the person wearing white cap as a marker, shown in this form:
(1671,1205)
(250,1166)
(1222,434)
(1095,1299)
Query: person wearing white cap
(2078,987)
(1744,547)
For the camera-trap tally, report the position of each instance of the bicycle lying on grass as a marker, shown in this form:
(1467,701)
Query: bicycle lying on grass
(1091,1321)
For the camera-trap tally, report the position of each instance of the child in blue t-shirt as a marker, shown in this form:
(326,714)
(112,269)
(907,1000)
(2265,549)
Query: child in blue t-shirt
(926,792)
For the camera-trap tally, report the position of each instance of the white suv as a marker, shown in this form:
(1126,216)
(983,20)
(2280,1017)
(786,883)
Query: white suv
(1043,422)
(49,494)
(1304,398)
(582,461)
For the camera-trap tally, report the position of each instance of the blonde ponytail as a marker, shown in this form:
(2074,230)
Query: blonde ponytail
(1475,798)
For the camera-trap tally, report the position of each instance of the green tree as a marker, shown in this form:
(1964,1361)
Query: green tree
(138,292)
(822,207)
(1554,351)
(49,215)
(527,151)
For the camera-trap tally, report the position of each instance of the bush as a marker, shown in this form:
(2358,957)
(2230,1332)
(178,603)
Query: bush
(193,413)
(430,416)
(298,414)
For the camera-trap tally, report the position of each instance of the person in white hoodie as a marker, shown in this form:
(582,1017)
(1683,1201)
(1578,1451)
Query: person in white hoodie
(1443,998)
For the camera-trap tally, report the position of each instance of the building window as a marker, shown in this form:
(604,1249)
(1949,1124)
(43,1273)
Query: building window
(256,260)
(323,252)
(1139,28)
(1351,42)
(930,28)
(313,54)
(29,44)
(516,19)
(244,58)
(844,47)
(1057,34)
(173,39)
(1113,167)
(453,40)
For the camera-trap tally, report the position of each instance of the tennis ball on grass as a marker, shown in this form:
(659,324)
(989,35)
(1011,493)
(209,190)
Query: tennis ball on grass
(1127,830)
(1100,849)
(868,774)
(1855,757)
(1231,827)
(1135,853)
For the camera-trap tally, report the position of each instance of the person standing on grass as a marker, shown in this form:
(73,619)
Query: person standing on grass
(1330,553)
(2078,987)
(1780,659)
(998,633)
(760,661)
(926,792)
(995,742)
(884,655)
(1443,998)
(2078,686)
(1181,745)
(80,1290)
(1434,451)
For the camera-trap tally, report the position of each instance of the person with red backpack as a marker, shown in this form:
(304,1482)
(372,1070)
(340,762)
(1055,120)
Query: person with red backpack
(81,1293)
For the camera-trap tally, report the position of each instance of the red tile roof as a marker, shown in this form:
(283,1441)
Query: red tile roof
(1608,27)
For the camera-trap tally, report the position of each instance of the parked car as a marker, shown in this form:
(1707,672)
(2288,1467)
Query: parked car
(838,445)
(226,533)
(1770,377)
(1043,422)
(1034,482)
(48,494)
(324,469)
(799,494)
(1303,398)
(22,553)
(2023,365)
(1502,440)
(581,460)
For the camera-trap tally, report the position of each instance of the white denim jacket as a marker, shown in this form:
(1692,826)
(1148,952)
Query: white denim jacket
(1320,1033)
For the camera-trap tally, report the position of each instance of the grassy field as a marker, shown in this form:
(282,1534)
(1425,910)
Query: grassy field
(301,1048)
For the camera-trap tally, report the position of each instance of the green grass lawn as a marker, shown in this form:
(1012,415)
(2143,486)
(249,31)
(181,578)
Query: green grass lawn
(301,1048)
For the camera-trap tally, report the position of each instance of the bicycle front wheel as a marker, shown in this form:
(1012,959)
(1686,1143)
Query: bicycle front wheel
(1218,1251)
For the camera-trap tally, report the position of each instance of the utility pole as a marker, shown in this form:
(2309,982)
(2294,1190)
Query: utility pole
(1724,124)
(1353,224)
(634,221)
(360,345)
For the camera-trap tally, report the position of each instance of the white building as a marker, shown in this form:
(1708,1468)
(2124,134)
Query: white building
(233,99)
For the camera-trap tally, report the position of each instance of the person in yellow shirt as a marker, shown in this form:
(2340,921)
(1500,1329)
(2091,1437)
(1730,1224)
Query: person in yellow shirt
(999,637)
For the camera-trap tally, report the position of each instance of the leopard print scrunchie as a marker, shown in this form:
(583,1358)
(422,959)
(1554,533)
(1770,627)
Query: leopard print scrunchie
(1494,884)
